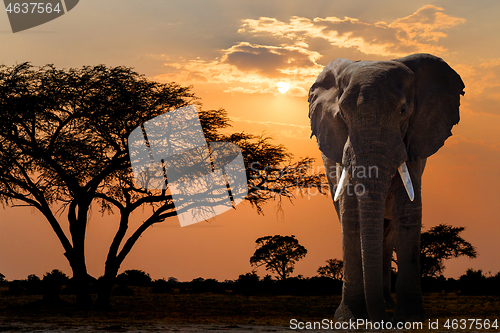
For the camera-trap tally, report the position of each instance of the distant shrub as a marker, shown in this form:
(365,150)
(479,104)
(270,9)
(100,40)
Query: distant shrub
(292,286)
(52,285)
(473,283)
(31,286)
(248,284)
(172,280)
(494,284)
(431,284)
(322,285)
(201,285)
(16,288)
(268,285)
(451,285)
(161,286)
(300,286)
(134,277)
(34,285)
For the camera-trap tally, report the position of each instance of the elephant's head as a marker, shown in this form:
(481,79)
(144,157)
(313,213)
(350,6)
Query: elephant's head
(403,109)
(369,115)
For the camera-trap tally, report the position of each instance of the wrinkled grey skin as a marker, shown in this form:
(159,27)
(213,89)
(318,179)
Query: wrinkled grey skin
(380,114)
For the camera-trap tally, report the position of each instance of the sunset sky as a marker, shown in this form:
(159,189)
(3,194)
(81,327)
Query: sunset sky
(234,54)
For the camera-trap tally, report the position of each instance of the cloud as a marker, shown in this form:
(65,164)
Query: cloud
(284,52)
(425,25)
(342,33)
(252,68)
(418,32)
(482,86)
(271,61)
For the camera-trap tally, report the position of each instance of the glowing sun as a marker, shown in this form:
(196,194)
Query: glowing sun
(283,87)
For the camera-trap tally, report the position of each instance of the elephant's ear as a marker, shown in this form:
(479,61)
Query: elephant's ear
(437,99)
(326,121)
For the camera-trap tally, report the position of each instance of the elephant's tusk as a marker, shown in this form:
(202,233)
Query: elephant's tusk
(341,184)
(405,176)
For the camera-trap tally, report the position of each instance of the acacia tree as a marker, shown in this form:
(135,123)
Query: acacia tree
(441,243)
(334,268)
(63,147)
(278,254)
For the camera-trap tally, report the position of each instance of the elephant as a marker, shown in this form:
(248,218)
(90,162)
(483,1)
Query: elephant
(374,120)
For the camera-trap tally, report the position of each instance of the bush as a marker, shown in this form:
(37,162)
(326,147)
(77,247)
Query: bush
(494,284)
(473,283)
(268,285)
(431,284)
(52,285)
(34,286)
(319,285)
(247,284)
(134,277)
(451,285)
(17,287)
(250,284)
(161,286)
(31,286)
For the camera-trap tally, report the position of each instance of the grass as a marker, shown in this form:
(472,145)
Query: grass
(223,309)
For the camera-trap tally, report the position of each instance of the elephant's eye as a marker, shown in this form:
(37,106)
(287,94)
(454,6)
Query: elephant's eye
(341,113)
(403,110)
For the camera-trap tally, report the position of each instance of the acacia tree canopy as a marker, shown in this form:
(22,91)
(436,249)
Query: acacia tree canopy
(278,254)
(63,147)
(441,243)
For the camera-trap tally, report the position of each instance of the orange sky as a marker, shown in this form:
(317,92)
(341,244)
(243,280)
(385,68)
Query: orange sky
(234,53)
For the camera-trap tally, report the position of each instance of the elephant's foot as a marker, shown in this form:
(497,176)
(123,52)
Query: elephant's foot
(343,313)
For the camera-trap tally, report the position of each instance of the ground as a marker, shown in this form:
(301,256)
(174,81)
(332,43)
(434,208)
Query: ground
(148,312)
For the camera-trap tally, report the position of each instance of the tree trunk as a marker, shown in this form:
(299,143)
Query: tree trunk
(106,284)
(77,228)
(81,279)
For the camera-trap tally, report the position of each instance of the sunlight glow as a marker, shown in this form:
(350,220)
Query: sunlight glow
(283,87)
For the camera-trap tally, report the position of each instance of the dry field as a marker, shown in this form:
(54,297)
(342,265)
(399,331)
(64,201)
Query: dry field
(148,312)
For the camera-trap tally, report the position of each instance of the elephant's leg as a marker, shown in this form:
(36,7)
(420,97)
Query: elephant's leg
(407,228)
(387,257)
(353,297)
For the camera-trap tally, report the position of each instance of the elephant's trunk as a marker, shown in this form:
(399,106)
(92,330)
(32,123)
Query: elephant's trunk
(372,193)
(373,159)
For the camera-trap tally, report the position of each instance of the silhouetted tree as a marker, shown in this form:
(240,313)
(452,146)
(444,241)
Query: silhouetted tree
(161,286)
(278,254)
(441,243)
(248,284)
(473,282)
(52,284)
(172,280)
(2,277)
(34,285)
(134,277)
(334,268)
(63,148)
